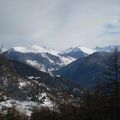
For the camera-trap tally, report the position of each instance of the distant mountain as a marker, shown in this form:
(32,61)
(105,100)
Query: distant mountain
(85,70)
(78,52)
(41,58)
(107,48)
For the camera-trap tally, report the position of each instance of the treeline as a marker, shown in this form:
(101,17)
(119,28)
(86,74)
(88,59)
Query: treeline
(93,106)
(12,114)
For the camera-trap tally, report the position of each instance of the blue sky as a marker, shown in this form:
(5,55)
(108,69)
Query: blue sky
(59,24)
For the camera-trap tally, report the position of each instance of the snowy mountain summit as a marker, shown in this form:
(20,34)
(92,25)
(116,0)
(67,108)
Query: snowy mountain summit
(34,49)
(82,49)
(42,58)
(78,52)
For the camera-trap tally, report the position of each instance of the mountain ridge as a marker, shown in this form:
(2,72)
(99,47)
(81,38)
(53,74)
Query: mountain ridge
(85,70)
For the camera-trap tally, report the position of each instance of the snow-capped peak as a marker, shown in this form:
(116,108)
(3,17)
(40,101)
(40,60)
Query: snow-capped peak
(42,58)
(34,49)
(86,50)
(80,48)
(19,49)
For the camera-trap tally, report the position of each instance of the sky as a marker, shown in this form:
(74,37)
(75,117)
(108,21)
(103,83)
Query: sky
(59,24)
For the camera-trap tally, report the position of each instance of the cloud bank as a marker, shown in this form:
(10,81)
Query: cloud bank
(59,23)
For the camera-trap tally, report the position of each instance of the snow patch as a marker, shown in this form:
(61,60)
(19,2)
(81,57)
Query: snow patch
(26,106)
(67,60)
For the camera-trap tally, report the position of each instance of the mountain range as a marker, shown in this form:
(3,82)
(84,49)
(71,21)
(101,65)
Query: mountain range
(79,64)
(41,58)
(48,60)
(38,76)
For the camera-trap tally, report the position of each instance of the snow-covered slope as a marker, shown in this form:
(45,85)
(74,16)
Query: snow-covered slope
(29,102)
(41,58)
(34,49)
(78,52)
(25,106)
